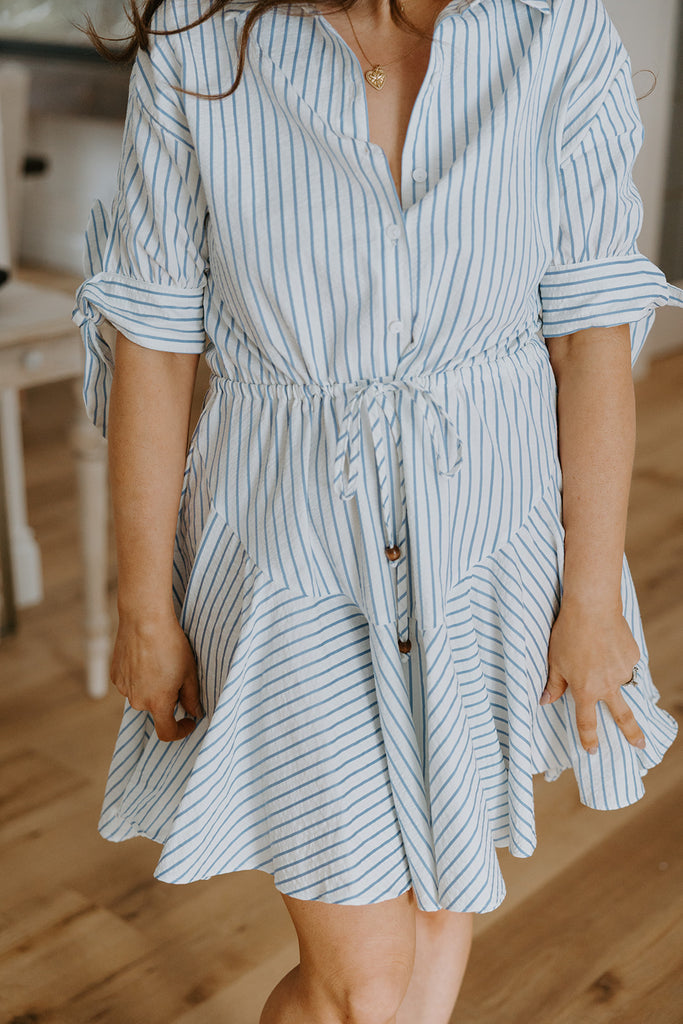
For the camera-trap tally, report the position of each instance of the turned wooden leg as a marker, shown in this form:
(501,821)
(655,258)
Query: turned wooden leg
(91,464)
(26,561)
(8,614)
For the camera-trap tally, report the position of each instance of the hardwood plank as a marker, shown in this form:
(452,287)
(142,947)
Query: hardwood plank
(82,947)
(39,912)
(242,1001)
(29,780)
(566,830)
(142,992)
(600,938)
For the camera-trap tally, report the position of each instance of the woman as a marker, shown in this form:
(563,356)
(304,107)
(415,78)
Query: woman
(409,256)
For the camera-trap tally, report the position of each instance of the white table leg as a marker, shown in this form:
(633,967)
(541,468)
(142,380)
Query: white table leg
(91,465)
(26,561)
(8,610)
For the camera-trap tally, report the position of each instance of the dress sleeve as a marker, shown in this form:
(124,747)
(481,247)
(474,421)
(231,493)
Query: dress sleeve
(597,276)
(146,260)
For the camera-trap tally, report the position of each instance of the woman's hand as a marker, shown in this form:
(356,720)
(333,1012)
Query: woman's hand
(592,649)
(149,416)
(593,652)
(153,666)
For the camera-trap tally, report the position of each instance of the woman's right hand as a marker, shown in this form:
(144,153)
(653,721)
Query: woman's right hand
(154,667)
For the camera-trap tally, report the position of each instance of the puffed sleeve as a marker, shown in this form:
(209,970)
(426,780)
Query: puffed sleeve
(597,276)
(145,261)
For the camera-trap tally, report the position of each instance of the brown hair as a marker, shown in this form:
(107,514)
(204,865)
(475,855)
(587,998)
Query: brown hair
(142,19)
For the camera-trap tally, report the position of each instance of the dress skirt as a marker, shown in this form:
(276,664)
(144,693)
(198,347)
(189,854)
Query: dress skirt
(350,779)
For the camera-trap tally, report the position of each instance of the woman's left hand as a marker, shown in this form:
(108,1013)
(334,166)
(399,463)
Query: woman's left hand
(593,652)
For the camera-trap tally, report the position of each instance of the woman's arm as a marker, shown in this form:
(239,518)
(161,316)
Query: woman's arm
(151,396)
(592,648)
(597,432)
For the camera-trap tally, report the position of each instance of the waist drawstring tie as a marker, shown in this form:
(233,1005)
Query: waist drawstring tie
(386,417)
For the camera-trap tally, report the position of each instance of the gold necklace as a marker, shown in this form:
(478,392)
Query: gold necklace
(376,74)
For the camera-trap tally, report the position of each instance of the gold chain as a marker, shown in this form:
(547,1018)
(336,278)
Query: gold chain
(375,75)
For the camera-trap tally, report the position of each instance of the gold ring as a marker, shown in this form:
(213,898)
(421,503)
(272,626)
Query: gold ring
(632,681)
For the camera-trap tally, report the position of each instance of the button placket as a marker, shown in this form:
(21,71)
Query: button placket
(402,597)
(378,398)
(412,340)
(396,555)
(398,559)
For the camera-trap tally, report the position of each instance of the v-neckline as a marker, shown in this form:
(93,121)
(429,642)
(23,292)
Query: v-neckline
(360,76)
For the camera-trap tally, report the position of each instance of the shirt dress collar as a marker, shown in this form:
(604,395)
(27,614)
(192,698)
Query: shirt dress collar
(460,6)
(457,6)
(540,5)
(454,7)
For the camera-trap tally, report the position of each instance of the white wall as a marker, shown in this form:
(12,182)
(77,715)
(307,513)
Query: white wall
(83,154)
(648,29)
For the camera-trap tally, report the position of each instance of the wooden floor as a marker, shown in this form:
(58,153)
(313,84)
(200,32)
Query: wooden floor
(590,931)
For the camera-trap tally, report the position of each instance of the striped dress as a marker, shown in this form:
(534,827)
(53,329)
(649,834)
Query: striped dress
(369,549)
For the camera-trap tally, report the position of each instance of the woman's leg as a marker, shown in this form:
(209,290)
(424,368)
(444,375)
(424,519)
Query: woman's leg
(355,963)
(443,943)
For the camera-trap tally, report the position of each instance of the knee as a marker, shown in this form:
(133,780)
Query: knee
(372,995)
(356,962)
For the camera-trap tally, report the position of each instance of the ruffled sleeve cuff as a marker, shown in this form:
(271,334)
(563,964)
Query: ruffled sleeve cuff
(152,315)
(605,292)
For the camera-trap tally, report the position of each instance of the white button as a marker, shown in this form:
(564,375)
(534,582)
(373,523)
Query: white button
(419,174)
(394,326)
(393,232)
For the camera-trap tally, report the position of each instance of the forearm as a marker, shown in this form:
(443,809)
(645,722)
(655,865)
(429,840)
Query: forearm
(149,416)
(597,428)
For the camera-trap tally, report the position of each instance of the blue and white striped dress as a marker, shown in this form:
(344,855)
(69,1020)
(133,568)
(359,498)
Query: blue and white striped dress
(379,380)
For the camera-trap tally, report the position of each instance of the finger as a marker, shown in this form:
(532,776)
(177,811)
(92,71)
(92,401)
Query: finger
(626,720)
(587,724)
(118,683)
(554,688)
(189,697)
(167,728)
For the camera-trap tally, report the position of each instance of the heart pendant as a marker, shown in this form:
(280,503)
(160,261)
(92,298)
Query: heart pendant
(376,76)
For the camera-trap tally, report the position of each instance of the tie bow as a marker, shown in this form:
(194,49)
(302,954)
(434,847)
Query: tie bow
(405,407)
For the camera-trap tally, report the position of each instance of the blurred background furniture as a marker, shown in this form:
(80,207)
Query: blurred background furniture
(40,344)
